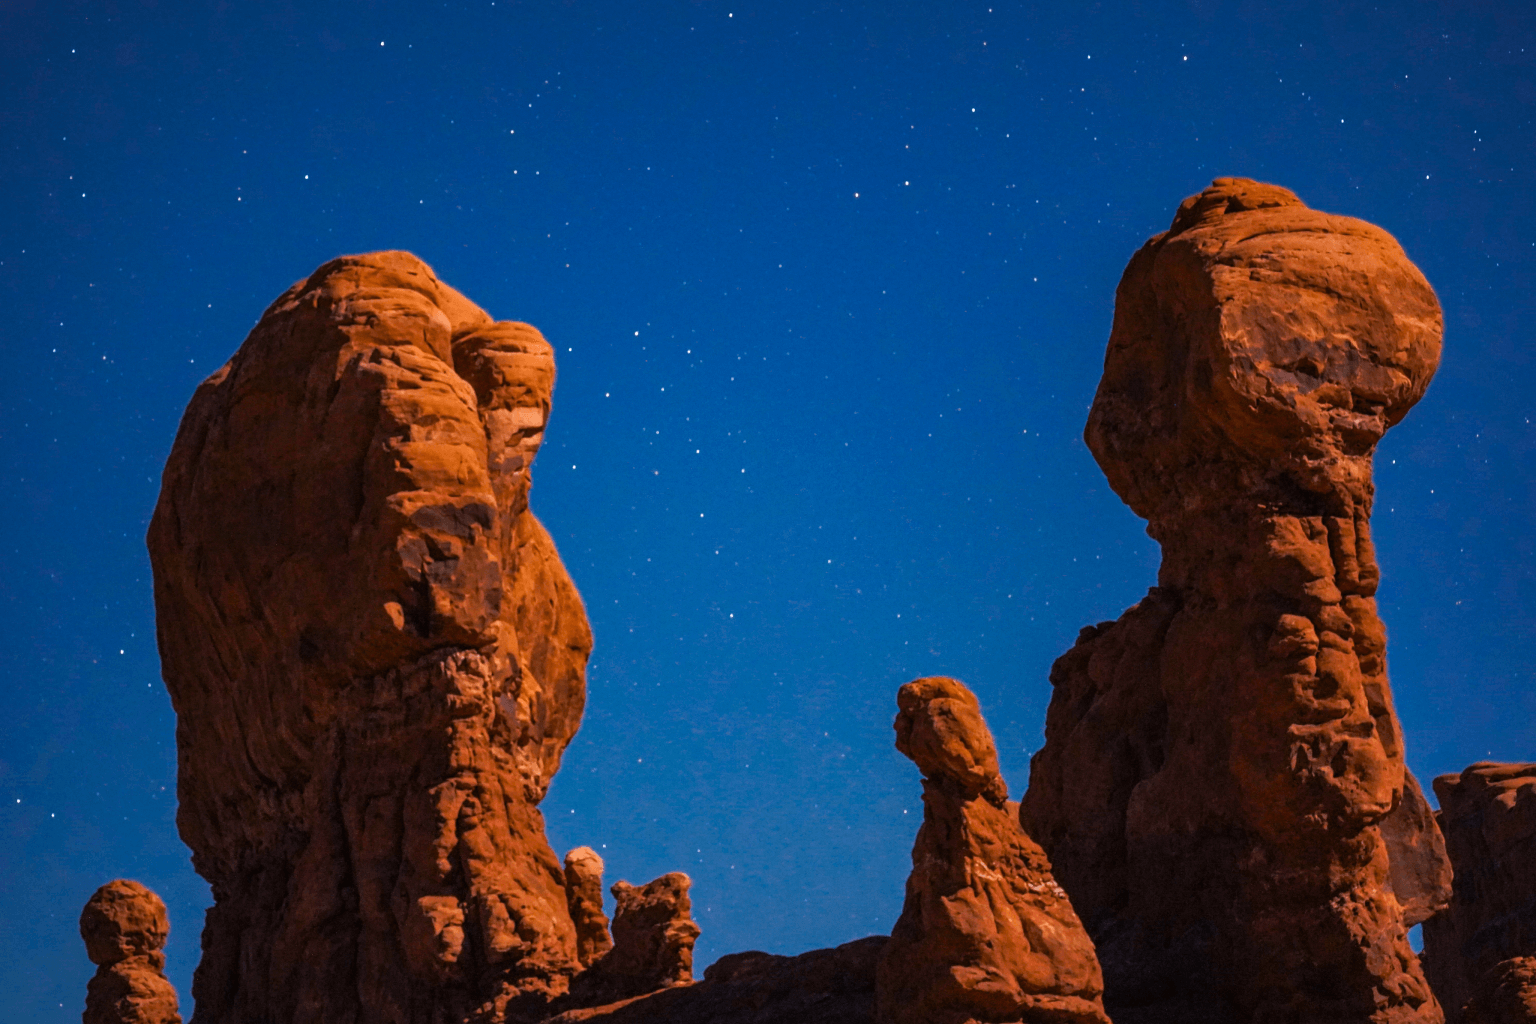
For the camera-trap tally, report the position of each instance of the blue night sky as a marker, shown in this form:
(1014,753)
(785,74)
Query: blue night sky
(829,287)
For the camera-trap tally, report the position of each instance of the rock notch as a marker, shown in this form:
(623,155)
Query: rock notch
(1221,764)
(375,656)
(985,934)
(1488,814)
(124,926)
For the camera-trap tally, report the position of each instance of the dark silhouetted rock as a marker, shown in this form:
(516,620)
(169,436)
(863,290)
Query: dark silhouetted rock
(584,899)
(1222,764)
(1488,815)
(124,926)
(985,934)
(1505,994)
(375,656)
(824,986)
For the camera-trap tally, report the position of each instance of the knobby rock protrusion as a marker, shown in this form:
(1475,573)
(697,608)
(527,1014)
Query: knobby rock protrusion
(985,934)
(124,926)
(1223,764)
(375,656)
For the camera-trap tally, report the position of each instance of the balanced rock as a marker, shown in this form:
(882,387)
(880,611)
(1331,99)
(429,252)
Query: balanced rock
(124,926)
(985,933)
(1222,765)
(584,899)
(1488,814)
(375,655)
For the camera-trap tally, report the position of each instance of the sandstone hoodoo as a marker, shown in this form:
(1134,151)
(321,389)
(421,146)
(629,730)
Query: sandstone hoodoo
(375,656)
(1223,764)
(986,934)
(124,926)
(584,899)
(1481,948)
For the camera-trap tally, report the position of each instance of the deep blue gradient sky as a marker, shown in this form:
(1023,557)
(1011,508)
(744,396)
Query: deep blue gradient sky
(829,286)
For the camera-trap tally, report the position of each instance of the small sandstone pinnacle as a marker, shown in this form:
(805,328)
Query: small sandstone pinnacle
(124,926)
(584,899)
(653,932)
(985,934)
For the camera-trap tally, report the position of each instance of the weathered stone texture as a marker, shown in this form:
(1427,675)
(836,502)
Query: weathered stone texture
(985,934)
(375,656)
(124,926)
(584,899)
(1221,764)
(1488,814)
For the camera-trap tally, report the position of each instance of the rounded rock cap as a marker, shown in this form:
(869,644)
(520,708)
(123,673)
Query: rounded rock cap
(123,919)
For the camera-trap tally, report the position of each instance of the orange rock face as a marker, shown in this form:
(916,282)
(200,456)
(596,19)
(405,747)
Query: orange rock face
(653,937)
(375,656)
(1223,767)
(124,926)
(1488,813)
(985,934)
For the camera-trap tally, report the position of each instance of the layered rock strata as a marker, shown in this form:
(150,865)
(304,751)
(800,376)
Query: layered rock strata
(124,926)
(375,656)
(1222,762)
(985,933)
(1488,814)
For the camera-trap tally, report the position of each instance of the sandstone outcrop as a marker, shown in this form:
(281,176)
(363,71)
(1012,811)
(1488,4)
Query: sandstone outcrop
(1488,814)
(1222,762)
(376,658)
(124,926)
(824,986)
(985,934)
(584,899)
(653,937)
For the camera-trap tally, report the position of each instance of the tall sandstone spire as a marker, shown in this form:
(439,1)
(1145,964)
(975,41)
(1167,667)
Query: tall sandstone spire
(1222,789)
(375,656)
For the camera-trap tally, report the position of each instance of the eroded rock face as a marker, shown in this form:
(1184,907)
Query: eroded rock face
(124,926)
(653,937)
(985,934)
(1220,763)
(375,656)
(1488,814)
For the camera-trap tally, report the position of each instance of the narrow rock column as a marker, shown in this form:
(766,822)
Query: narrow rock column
(1223,765)
(124,926)
(653,937)
(584,899)
(985,934)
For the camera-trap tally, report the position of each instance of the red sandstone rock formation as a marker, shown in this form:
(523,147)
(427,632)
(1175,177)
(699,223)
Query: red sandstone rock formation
(1488,814)
(1506,994)
(653,937)
(124,926)
(986,934)
(1220,764)
(584,899)
(375,656)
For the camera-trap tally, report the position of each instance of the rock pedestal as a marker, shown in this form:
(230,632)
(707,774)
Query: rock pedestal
(124,926)
(1223,764)
(375,656)
(985,934)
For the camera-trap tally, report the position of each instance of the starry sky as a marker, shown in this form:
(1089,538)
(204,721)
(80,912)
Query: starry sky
(829,286)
